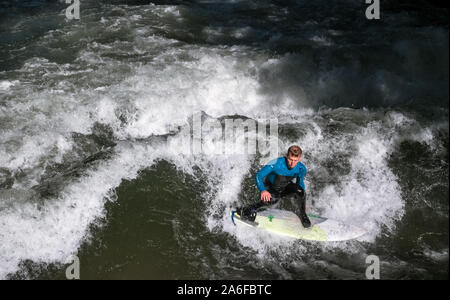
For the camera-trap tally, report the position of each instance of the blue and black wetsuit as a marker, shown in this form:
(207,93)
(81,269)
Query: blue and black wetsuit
(277,179)
(276,176)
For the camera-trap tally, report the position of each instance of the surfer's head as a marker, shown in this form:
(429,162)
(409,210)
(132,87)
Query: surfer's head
(293,156)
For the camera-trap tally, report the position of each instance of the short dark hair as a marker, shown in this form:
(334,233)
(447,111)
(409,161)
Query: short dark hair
(295,151)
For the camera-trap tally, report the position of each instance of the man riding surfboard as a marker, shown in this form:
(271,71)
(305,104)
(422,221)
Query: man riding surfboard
(275,181)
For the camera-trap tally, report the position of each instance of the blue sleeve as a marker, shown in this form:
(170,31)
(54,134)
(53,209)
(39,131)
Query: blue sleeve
(266,170)
(301,177)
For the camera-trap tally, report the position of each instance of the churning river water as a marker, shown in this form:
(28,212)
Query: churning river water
(93,111)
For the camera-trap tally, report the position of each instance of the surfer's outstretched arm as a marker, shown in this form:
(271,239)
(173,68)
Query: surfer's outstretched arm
(301,177)
(266,170)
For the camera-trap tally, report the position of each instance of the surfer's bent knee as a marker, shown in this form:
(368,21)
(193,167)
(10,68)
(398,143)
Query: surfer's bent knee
(301,193)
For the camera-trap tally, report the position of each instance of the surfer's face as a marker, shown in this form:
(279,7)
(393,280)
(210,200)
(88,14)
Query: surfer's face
(292,161)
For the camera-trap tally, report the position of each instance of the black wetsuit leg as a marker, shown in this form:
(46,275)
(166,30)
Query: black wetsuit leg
(300,194)
(250,211)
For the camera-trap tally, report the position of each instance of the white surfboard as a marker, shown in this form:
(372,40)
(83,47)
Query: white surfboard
(287,223)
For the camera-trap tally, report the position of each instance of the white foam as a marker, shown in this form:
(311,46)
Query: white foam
(441,256)
(369,196)
(54,232)
(39,130)
(5,84)
(169,96)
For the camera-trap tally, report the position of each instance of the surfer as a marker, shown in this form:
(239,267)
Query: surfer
(275,181)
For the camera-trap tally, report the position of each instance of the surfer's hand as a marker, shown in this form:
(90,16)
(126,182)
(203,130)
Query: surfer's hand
(265,196)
